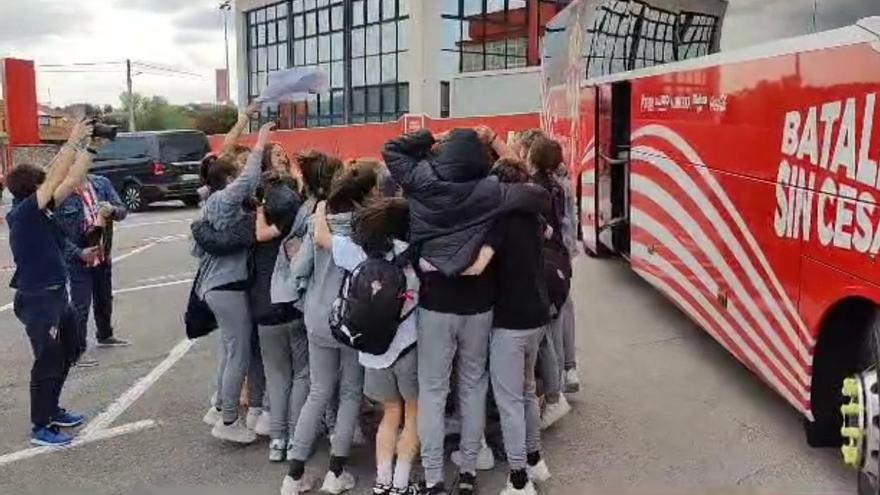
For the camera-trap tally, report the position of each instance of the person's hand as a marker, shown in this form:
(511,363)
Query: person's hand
(263,137)
(321,209)
(80,131)
(106,210)
(251,111)
(548,232)
(485,134)
(90,255)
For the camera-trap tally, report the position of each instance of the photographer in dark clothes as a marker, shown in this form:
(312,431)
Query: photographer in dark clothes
(87,219)
(40,280)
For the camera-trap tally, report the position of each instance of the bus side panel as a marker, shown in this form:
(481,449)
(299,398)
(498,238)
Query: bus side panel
(825,285)
(706,237)
(583,171)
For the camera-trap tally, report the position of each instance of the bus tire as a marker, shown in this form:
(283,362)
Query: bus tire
(843,346)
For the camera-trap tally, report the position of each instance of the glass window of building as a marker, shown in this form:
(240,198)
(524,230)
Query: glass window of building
(312,33)
(495,34)
(379,91)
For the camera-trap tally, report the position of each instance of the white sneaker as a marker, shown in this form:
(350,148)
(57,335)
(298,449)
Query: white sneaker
(485,457)
(291,486)
(253,415)
(212,417)
(290,450)
(572,381)
(337,484)
(237,432)
(539,473)
(554,412)
(529,489)
(277,450)
(263,425)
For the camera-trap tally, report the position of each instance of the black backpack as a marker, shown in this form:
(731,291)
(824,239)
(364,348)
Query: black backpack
(557,275)
(557,261)
(369,308)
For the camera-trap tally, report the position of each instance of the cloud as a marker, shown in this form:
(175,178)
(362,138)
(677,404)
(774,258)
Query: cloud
(190,37)
(40,19)
(200,19)
(155,5)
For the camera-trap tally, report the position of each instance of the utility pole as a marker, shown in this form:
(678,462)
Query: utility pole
(131,127)
(226,6)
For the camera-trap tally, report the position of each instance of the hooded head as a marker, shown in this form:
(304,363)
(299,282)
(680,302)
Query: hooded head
(461,157)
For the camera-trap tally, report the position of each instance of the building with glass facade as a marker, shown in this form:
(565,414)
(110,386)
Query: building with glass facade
(386,58)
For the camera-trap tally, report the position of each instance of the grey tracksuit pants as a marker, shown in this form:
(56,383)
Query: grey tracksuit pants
(568,335)
(232,310)
(327,367)
(285,350)
(444,339)
(512,357)
(550,358)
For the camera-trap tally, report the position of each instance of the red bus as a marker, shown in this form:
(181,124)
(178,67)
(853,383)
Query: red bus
(727,150)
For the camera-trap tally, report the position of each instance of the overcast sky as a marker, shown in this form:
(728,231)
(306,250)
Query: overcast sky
(186,34)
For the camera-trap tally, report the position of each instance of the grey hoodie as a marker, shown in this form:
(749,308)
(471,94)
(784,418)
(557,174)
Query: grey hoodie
(223,209)
(314,271)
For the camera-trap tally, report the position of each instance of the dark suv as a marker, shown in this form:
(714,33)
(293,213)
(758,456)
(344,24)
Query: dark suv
(146,167)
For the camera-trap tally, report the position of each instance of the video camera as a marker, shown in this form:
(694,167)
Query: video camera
(101,130)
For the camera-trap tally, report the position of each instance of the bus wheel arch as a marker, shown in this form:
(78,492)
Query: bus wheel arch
(844,343)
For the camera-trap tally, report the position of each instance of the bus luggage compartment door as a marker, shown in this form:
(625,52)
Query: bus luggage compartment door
(612,166)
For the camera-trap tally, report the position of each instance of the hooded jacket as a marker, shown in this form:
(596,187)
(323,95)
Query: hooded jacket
(453,201)
(315,272)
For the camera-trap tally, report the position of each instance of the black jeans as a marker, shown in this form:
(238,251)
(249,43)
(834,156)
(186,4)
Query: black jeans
(51,329)
(88,285)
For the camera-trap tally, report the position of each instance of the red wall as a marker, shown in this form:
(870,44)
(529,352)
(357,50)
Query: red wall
(365,141)
(20,93)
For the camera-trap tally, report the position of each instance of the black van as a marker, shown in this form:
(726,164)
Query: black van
(146,167)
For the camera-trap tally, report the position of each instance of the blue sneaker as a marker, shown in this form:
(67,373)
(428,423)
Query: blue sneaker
(67,419)
(50,437)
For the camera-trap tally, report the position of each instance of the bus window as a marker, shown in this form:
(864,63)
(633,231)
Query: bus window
(750,22)
(833,14)
(626,34)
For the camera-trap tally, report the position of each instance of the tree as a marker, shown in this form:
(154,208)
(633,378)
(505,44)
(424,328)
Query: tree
(108,109)
(215,119)
(156,114)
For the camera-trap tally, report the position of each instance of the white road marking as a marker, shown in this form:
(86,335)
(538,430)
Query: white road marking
(79,440)
(125,226)
(170,276)
(125,401)
(151,286)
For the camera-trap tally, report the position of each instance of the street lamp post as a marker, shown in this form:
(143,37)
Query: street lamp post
(226,7)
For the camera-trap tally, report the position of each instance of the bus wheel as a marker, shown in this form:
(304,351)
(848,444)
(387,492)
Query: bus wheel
(861,418)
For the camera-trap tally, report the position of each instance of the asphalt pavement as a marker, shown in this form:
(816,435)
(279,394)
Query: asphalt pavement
(663,408)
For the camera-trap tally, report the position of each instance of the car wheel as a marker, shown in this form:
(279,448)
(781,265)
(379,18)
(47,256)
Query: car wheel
(132,198)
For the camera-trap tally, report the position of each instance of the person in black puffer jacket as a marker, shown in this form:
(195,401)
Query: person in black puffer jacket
(453,204)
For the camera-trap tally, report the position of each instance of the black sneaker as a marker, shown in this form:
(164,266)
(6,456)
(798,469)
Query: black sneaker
(112,342)
(467,484)
(437,489)
(380,489)
(409,490)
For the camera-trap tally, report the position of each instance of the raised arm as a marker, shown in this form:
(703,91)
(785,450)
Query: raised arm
(59,167)
(490,137)
(402,154)
(246,183)
(75,176)
(323,237)
(237,130)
